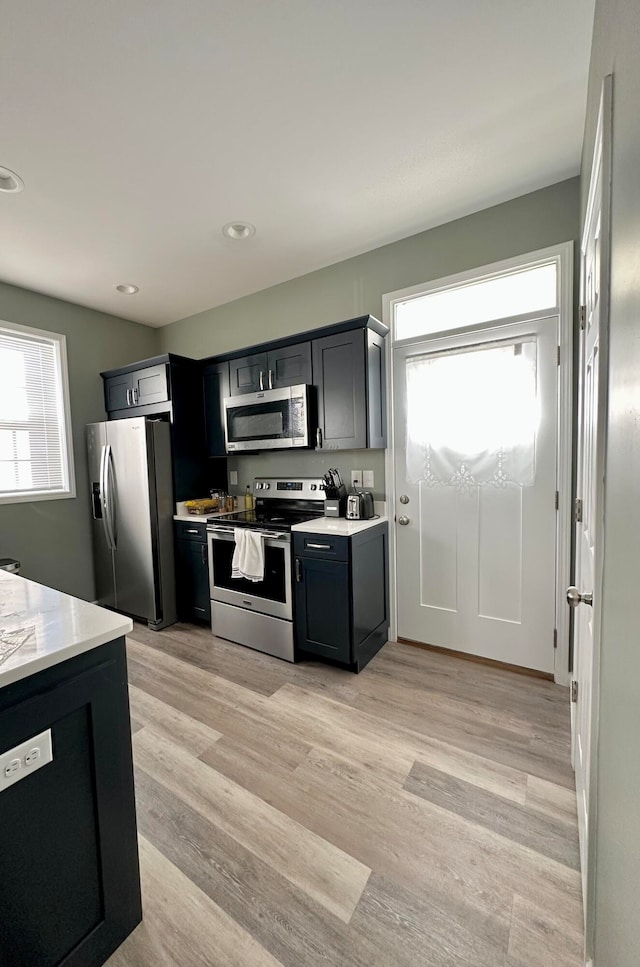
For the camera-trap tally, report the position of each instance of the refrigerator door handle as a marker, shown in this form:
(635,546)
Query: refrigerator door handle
(108,501)
(103,496)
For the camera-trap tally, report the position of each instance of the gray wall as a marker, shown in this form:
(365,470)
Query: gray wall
(616,49)
(356,286)
(52,537)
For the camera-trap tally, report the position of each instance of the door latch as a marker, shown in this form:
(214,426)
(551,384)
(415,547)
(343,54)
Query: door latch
(577,510)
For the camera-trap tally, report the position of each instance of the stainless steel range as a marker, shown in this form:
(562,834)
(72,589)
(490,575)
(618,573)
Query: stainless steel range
(260,614)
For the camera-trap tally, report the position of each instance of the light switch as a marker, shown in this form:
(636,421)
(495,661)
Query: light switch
(233,477)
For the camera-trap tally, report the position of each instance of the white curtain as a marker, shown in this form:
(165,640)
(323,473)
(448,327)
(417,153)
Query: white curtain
(472,416)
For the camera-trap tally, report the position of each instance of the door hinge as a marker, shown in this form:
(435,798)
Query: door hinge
(558,355)
(557,500)
(577,510)
(555,637)
(583,316)
(574,691)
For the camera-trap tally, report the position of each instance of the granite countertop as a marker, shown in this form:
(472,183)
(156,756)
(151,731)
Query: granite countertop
(338,526)
(40,627)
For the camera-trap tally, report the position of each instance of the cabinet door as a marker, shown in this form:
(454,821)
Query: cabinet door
(376,391)
(245,372)
(117,392)
(216,388)
(322,619)
(289,366)
(69,882)
(150,385)
(339,374)
(192,581)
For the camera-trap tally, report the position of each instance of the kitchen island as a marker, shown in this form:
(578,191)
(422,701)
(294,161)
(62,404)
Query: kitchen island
(69,877)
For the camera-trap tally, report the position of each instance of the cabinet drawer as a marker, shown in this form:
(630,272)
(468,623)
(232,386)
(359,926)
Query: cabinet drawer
(197,531)
(321,546)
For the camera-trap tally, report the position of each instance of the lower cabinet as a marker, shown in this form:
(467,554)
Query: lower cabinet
(341,595)
(192,572)
(69,878)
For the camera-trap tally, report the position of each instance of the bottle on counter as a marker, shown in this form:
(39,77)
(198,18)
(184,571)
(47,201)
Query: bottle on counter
(248,498)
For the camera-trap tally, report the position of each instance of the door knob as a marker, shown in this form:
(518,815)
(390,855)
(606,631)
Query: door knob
(403,520)
(574,598)
(404,499)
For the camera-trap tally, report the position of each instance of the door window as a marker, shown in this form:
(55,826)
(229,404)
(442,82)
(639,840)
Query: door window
(472,416)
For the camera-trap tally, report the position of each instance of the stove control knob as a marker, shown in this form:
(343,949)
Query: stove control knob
(258,486)
(266,486)
(313,487)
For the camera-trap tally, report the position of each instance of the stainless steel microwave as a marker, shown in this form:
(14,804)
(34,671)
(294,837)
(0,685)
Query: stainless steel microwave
(273,419)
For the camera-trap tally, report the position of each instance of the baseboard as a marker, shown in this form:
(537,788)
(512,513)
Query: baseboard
(465,656)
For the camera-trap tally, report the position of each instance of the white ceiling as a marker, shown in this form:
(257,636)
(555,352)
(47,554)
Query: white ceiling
(140,127)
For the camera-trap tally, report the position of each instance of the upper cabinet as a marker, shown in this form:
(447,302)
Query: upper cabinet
(216,387)
(289,366)
(148,385)
(344,363)
(339,375)
(272,369)
(349,372)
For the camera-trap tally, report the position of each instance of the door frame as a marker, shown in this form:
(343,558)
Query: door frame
(601,157)
(562,254)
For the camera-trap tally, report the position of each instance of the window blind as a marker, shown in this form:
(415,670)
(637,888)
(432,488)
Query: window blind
(34,456)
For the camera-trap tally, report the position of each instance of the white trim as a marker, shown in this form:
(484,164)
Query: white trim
(602,151)
(60,342)
(562,254)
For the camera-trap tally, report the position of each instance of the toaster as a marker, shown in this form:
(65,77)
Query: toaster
(360,506)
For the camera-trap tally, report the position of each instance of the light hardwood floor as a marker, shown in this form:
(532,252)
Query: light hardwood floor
(420,814)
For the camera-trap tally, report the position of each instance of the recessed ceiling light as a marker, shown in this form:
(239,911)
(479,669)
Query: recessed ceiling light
(127,288)
(10,181)
(239,230)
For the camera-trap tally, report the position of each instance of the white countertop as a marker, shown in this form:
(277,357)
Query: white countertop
(201,518)
(48,627)
(339,526)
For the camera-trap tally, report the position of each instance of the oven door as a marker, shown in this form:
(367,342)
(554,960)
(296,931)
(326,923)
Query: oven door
(275,419)
(270,596)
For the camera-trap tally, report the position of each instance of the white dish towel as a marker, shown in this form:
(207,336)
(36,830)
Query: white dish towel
(248,556)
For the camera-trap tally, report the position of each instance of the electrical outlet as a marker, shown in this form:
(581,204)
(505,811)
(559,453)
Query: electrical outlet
(356,479)
(233,477)
(28,757)
(367,479)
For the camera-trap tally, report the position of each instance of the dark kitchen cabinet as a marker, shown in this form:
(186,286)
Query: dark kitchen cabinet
(192,571)
(341,595)
(339,373)
(215,380)
(148,385)
(273,369)
(289,366)
(249,374)
(69,877)
(170,387)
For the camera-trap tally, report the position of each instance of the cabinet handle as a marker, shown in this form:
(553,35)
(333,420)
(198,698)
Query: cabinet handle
(319,547)
(135,396)
(261,380)
(270,379)
(204,554)
(128,397)
(319,438)
(298,570)
(191,530)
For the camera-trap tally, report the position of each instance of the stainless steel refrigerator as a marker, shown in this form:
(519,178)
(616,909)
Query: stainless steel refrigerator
(132,506)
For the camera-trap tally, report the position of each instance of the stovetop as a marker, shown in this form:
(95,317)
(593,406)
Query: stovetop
(276,519)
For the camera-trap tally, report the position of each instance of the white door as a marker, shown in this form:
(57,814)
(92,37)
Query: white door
(476,536)
(591,442)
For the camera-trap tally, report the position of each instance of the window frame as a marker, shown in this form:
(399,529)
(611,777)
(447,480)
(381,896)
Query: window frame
(60,349)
